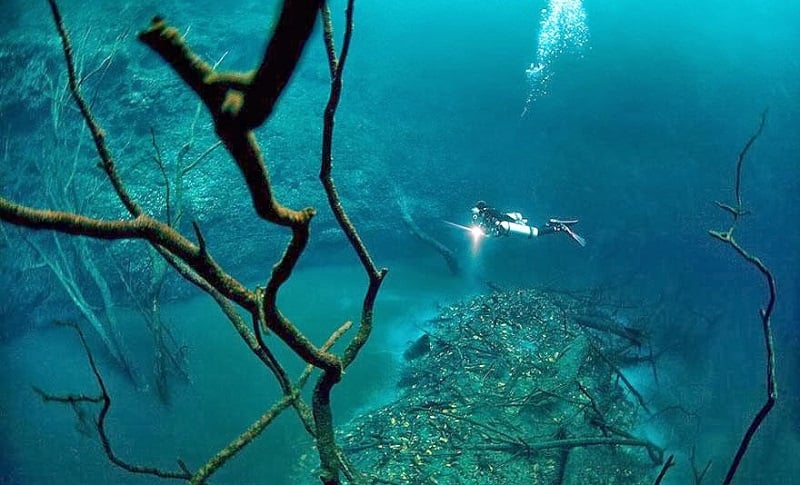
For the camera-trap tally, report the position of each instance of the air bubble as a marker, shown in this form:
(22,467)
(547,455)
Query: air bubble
(563,31)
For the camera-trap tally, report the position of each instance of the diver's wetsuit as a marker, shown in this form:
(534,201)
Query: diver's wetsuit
(491,222)
(490,214)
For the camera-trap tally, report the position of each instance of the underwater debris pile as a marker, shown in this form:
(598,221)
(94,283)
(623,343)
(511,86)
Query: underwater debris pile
(510,388)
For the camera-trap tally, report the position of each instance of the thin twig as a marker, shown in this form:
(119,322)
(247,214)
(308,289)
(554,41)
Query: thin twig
(698,474)
(160,163)
(742,155)
(667,465)
(530,446)
(188,168)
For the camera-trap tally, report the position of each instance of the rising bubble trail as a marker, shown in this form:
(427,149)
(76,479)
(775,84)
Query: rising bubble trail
(562,30)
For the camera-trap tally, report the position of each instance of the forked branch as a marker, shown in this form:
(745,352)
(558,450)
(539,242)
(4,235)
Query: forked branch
(765,313)
(100,423)
(328,450)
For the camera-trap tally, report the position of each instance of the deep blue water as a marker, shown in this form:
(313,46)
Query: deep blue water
(637,135)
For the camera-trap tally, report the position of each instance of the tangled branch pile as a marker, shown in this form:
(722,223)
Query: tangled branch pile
(512,387)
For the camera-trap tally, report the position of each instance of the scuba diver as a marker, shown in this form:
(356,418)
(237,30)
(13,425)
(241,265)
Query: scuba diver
(488,221)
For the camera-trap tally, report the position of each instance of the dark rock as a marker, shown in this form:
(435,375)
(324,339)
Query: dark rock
(420,347)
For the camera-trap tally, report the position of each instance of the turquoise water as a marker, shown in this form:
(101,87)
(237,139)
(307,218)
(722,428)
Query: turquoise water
(204,415)
(626,115)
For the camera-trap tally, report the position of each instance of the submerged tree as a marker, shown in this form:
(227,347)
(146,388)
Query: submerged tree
(238,104)
(56,160)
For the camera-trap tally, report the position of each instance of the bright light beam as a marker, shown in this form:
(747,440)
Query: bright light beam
(475,232)
(468,229)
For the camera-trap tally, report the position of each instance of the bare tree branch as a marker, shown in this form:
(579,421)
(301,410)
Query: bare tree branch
(444,251)
(100,424)
(142,227)
(218,460)
(223,95)
(323,416)
(667,465)
(98,135)
(765,313)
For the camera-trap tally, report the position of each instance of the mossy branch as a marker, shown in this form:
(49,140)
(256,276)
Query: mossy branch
(323,417)
(291,395)
(98,134)
(142,227)
(288,40)
(238,103)
(222,94)
(246,99)
(336,65)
